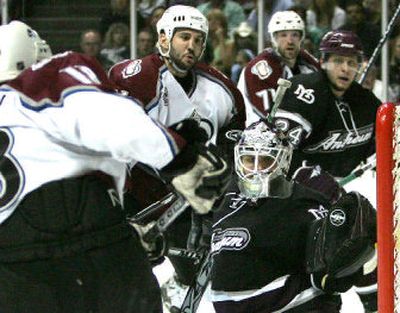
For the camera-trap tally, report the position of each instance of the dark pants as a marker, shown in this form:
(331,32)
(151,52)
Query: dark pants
(110,279)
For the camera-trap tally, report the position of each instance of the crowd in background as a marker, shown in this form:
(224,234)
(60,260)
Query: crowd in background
(232,42)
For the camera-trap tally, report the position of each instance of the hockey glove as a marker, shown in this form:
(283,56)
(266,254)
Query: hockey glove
(340,244)
(191,131)
(316,178)
(205,181)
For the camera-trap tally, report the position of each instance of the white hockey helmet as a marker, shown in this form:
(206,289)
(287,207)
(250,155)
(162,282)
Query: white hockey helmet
(20,47)
(181,16)
(262,161)
(285,20)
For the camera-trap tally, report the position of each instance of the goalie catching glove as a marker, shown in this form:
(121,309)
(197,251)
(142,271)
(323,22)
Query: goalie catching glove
(199,173)
(340,244)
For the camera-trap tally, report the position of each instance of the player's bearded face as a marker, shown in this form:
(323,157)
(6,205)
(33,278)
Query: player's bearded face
(288,43)
(186,48)
(341,71)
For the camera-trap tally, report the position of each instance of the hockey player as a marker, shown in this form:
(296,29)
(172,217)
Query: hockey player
(279,246)
(258,82)
(328,116)
(66,141)
(172,85)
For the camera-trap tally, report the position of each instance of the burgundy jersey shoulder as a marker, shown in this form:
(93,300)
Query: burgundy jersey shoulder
(138,78)
(308,58)
(264,70)
(237,95)
(53,78)
(261,78)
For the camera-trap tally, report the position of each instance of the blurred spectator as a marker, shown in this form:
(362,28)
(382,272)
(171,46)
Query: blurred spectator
(146,42)
(270,8)
(373,11)
(116,45)
(154,18)
(90,44)
(300,9)
(303,3)
(221,44)
(309,46)
(243,57)
(323,16)
(232,10)
(245,38)
(394,73)
(146,7)
(357,23)
(247,5)
(372,82)
(118,13)
(244,49)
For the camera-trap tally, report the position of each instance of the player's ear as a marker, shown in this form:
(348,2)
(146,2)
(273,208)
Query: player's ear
(163,41)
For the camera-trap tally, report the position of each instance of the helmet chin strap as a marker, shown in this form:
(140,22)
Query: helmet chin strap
(170,62)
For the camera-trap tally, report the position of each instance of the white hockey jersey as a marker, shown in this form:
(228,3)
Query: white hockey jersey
(212,99)
(61,119)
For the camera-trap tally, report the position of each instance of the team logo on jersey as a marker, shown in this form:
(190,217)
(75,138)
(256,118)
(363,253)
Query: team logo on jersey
(132,69)
(261,69)
(231,239)
(319,212)
(341,140)
(305,95)
(337,217)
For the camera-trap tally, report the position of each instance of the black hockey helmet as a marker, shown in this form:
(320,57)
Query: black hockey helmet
(341,42)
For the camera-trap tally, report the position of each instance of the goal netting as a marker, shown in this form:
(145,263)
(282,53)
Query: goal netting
(388,206)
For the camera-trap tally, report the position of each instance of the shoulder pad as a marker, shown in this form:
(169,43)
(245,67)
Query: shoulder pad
(309,59)
(53,77)
(131,75)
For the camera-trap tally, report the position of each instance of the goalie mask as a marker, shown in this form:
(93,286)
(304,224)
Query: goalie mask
(262,161)
(20,47)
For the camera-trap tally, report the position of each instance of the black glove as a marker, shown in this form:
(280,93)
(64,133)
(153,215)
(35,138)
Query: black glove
(340,244)
(191,131)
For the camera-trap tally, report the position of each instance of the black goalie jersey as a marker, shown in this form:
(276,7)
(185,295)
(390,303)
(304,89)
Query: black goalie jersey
(259,249)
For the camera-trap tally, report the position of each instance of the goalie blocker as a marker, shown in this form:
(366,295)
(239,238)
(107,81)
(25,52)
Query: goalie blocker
(338,246)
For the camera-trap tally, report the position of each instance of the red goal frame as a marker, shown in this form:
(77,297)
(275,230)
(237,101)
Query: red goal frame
(385,206)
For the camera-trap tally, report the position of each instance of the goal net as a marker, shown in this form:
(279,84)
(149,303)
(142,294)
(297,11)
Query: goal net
(388,206)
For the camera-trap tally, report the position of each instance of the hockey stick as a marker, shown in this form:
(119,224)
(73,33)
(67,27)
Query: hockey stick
(388,31)
(371,164)
(196,290)
(165,220)
(145,214)
(283,85)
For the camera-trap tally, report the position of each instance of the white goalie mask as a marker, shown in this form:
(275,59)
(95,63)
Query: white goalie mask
(181,16)
(20,47)
(262,161)
(285,20)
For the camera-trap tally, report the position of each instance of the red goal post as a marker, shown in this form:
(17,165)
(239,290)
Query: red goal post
(388,183)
